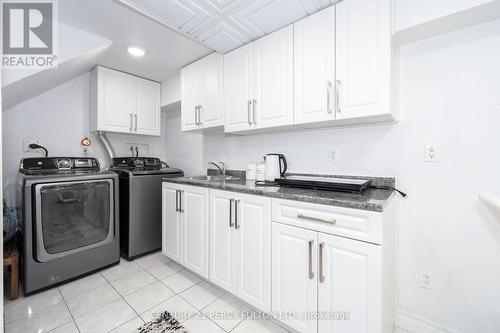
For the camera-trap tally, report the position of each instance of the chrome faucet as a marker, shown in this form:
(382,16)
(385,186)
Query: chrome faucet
(221,167)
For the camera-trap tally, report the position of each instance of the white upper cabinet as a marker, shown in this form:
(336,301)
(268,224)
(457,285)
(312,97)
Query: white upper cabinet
(148,98)
(363,58)
(123,103)
(314,67)
(273,90)
(202,95)
(258,80)
(238,88)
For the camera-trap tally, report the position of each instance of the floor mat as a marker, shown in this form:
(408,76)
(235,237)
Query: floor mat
(164,323)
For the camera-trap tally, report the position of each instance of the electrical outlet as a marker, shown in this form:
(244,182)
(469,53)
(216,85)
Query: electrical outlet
(333,155)
(426,279)
(431,153)
(26,145)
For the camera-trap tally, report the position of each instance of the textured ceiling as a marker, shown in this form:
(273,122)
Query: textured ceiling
(224,25)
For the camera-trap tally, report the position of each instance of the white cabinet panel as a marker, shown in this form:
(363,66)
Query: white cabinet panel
(314,69)
(274,79)
(195,229)
(239,88)
(294,283)
(202,95)
(112,102)
(190,78)
(211,92)
(171,222)
(124,103)
(222,241)
(363,58)
(253,229)
(350,277)
(148,100)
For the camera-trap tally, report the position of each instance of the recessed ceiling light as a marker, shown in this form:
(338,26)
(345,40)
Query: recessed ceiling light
(136,51)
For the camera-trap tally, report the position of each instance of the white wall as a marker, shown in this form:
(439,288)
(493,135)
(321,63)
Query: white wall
(59,118)
(449,96)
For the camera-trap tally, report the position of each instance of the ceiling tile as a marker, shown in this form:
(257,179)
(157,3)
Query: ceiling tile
(224,25)
(260,17)
(183,15)
(223,38)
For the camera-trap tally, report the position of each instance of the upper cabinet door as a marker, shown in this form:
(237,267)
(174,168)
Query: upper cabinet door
(147,117)
(350,279)
(239,88)
(211,91)
(294,281)
(222,240)
(253,227)
(190,86)
(194,206)
(273,100)
(363,58)
(171,222)
(112,100)
(120,102)
(314,67)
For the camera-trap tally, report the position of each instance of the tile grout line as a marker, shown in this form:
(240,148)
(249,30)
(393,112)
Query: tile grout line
(70,313)
(201,311)
(123,298)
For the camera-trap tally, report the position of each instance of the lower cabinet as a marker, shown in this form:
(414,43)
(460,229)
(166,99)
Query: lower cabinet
(326,283)
(185,226)
(319,269)
(240,246)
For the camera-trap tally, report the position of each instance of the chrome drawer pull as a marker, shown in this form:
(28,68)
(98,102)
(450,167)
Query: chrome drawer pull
(321,275)
(231,202)
(311,273)
(249,105)
(312,218)
(236,225)
(328,97)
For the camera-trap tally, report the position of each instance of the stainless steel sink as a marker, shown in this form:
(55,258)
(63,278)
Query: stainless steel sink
(218,178)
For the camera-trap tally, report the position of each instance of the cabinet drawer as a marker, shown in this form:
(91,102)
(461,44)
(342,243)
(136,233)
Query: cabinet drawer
(351,223)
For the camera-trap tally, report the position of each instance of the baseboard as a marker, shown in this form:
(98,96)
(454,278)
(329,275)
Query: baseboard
(409,323)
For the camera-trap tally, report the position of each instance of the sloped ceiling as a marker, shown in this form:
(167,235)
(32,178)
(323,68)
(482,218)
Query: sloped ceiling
(224,25)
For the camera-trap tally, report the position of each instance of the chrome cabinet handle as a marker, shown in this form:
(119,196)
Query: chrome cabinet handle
(176,200)
(181,192)
(131,122)
(311,273)
(313,218)
(200,107)
(231,202)
(196,115)
(328,97)
(254,117)
(249,113)
(236,225)
(338,87)
(135,117)
(321,275)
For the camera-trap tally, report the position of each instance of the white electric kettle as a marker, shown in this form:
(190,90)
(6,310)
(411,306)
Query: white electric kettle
(275,166)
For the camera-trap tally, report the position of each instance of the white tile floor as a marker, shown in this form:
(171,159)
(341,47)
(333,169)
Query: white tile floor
(123,297)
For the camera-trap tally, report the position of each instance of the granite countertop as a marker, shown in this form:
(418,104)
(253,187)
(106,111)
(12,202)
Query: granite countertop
(371,200)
